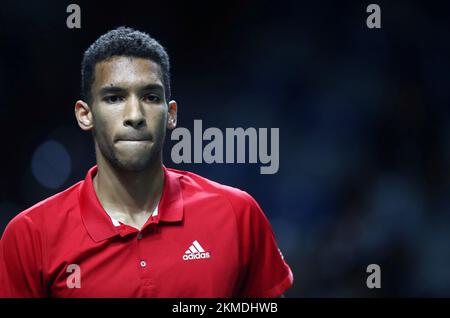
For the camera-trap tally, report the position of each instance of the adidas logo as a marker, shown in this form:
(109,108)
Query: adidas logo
(195,251)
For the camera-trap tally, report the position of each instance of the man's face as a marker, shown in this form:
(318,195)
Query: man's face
(129,112)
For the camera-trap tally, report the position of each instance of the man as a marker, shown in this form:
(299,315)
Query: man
(134,228)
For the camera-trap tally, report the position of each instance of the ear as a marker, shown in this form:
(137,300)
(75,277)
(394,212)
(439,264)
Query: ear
(172,115)
(84,115)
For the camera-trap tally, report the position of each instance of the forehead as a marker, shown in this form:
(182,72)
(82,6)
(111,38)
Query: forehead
(126,71)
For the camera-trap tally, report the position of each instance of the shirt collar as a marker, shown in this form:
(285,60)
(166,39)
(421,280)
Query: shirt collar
(97,221)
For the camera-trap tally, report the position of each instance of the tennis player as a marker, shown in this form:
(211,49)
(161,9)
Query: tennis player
(132,227)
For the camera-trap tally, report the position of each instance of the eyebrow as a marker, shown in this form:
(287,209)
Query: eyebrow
(117,89)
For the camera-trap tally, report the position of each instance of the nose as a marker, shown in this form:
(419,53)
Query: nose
(133,114)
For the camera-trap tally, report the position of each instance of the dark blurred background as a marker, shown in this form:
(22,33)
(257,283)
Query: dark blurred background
(363,116)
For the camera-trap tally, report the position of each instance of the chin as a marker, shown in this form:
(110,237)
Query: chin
(133,165)
(130,159)
(136,163)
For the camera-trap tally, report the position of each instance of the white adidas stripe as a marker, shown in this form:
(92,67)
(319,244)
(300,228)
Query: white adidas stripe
(199,248)
(195,248)
(192,248)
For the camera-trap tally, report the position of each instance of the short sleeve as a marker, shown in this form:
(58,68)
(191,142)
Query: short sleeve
(265,274)
(21,272)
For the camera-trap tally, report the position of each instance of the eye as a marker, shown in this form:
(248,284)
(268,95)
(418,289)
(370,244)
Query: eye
(112,99)
(152,98)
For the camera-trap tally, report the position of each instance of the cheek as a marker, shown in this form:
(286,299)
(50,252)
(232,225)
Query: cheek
(104,126)
(159,118)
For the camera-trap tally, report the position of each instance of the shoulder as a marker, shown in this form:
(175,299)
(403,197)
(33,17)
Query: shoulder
(194,184)
(44,212)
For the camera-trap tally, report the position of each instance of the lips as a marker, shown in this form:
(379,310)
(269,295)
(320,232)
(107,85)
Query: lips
(133,138)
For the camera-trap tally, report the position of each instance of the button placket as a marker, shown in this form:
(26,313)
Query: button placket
(142,262)
(146,271)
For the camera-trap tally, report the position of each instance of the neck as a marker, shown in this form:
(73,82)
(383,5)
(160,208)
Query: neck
(128,192)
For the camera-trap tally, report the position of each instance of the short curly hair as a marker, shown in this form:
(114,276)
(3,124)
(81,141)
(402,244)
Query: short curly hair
(123,41)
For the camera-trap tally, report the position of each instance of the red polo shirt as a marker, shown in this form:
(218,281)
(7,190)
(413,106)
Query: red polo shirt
(206,240)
